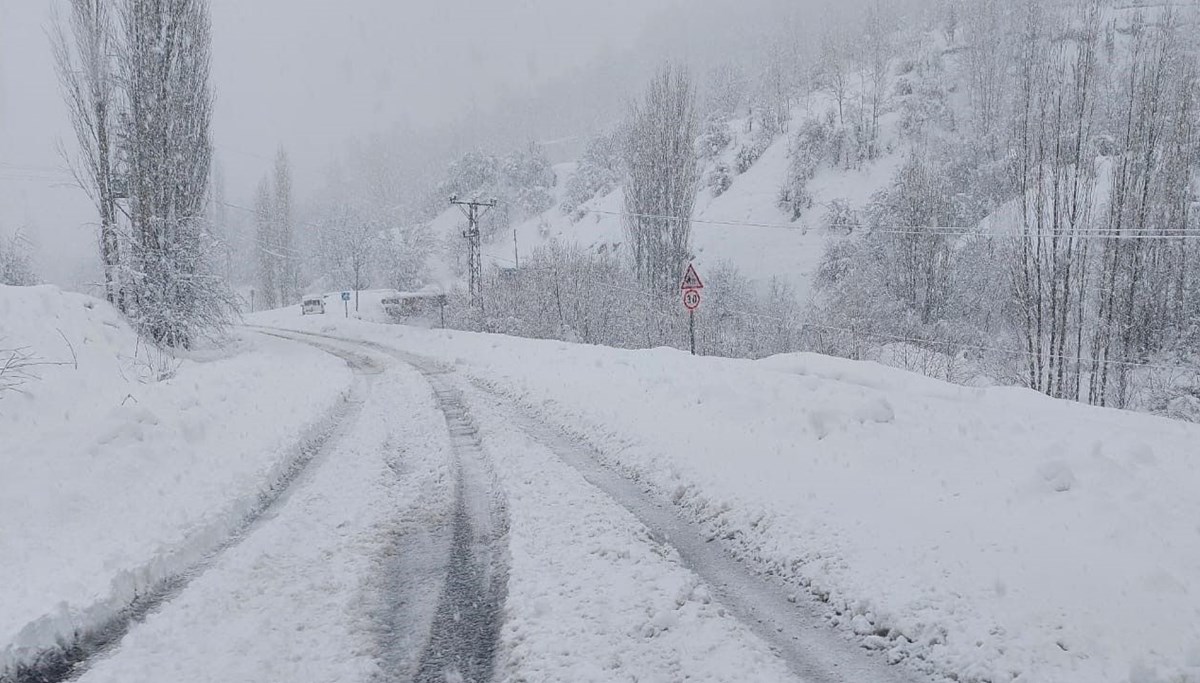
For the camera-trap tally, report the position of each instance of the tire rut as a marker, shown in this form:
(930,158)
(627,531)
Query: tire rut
(795,628)
(464,635)
(102,626)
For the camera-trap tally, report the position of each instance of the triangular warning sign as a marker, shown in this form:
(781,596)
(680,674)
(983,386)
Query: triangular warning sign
(691,280)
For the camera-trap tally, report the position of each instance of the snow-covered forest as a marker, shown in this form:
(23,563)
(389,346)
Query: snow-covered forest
(986,192)
(1034,226)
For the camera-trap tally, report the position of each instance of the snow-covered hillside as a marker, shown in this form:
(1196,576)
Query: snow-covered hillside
(744,226)
(994,534)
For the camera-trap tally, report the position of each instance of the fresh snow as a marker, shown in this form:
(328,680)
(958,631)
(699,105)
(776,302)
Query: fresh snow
(992,533)
(110,483)
(305,597)
(989,534)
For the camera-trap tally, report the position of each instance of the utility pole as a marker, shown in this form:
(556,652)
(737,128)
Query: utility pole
(474,210)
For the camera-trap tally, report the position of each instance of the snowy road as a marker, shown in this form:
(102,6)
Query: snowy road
(605,581)
(101,626)
(443,533)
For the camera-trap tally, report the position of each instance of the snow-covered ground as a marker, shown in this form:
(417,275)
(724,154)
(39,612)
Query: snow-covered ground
(303,597)
(992,533)
(110,481)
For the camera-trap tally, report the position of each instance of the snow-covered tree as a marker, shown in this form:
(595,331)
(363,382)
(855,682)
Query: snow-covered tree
(84,46)
(521,181)
(350,242)
(163,66)
(403,253)
(725,90)
(661,179)
(270,259)
(275,240)
(283,229)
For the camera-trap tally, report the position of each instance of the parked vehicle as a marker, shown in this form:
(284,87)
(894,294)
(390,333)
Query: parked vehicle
(312,305)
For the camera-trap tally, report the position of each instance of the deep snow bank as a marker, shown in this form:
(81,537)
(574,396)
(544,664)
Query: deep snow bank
(105,474)
(993,533)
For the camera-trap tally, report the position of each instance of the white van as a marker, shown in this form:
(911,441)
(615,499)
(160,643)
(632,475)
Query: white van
(312,305)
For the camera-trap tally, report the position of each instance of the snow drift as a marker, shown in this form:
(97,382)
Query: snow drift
(118,463)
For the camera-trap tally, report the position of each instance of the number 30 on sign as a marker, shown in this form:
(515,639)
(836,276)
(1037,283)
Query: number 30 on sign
(691,299)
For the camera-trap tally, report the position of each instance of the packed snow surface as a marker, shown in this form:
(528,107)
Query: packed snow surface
(993,533)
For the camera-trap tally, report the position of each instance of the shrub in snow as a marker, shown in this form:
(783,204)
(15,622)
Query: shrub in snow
(840,217)
(720,179)
(16,366)
(715,139)
(750,152)
(569,293)
(16,262)
(597,174)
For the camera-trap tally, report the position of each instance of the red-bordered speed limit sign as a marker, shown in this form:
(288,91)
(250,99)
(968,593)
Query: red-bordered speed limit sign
(691,299)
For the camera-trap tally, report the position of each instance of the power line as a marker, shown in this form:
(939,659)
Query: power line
(924,230)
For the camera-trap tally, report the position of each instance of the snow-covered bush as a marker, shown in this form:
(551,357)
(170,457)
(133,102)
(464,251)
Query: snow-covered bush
(840,217)
(719,179)
(527,178)
(715,139)
(808,149)
(402,256)
(597,174)
(922,100)
(16,262)
(569,293)
(751,151)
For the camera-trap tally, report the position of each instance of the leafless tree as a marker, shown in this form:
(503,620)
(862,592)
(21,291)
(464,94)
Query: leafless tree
(987,65)
(1144,262)
(1054,129)
(266,245)
(661,179)
(351,240)
(284,231)
(83,47)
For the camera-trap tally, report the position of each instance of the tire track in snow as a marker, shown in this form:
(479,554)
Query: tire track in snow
(464,635)
(466,626)
(100,627)
(794,627)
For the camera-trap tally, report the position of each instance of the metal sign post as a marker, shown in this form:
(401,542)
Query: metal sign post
(691,287)
(346,302)
(692,329)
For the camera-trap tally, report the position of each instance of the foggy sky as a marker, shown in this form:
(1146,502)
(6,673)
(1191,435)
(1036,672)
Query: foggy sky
(306,74)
